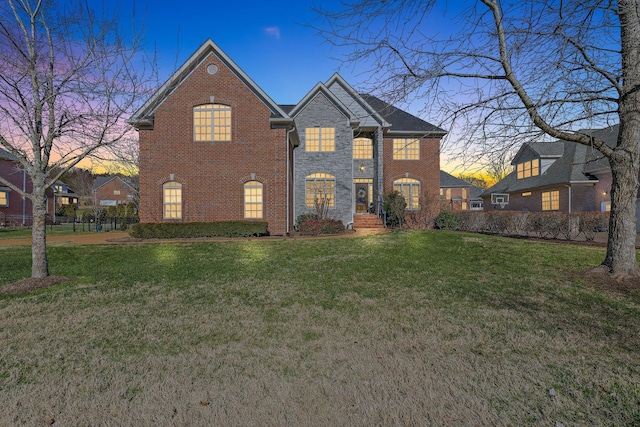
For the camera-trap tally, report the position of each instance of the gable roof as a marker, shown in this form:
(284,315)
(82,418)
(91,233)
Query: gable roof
(5,155)
(401,121)
(449,181)
(320,88)
(144,116)
(569,168)
(352,100)
(103,180)
(596,162)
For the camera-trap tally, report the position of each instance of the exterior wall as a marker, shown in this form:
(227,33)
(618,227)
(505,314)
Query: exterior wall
(426,169)
(448,194)
(583,199)
(321,112)
(213,174)
(17,212)
(105,195)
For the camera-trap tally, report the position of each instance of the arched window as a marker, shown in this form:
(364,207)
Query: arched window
(212,122)
(253,200)
(362,148)
(172,200)
(320,188)
(410,190)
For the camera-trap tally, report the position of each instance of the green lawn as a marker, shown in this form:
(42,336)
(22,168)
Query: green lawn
(52,230)
(407,329)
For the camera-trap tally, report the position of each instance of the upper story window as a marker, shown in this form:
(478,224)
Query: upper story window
(4,198)
(410,190)
(320,139)
(406,149)
(528,169)
(172,200)
(212,122)
(362,148)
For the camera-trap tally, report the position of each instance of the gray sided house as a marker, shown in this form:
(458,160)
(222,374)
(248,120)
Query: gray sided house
(556,176)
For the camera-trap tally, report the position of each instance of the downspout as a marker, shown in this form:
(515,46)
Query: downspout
(24,199)
(569,187)
(288,204)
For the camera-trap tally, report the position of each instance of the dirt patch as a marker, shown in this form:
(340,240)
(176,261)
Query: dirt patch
(31,284)
(602,279)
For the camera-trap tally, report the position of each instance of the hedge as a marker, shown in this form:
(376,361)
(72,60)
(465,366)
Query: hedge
(174,230)
(314,227)
(553,225)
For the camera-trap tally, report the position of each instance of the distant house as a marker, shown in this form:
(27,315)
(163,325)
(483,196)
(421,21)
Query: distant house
(16,210)
(114,190)
(458,194)
(557,176)
(214,147)
(63,196)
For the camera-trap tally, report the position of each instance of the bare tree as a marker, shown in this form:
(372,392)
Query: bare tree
(502,73)
(68,79)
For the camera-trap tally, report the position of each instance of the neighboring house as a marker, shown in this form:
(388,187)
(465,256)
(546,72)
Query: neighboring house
(214,146)
(558,176)
(63,196)
(114,190)
(16,210)
(457,194)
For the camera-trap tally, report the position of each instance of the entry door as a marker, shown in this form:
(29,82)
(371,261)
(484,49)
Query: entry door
(362,197)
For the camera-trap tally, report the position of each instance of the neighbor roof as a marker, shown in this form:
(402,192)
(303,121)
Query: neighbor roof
(7,155)
(400,120)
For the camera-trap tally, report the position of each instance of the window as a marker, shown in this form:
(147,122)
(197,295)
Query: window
(464,193)
(172,200)
(116,192)
(528,169)
(410,190)
(320,187)
(406,149)
(526,194)
(320,139)
(253,200)
(362,148)
(4,197)
(212,122)
(551,201)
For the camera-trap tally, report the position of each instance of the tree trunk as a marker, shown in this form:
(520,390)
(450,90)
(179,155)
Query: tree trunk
(39,263)
(621,243)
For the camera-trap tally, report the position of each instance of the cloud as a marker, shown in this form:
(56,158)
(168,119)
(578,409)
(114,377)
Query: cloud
(273,32)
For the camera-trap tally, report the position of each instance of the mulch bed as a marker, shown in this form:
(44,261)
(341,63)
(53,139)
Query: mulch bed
(31,284)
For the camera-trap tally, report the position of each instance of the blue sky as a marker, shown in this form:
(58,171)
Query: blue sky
(270,41)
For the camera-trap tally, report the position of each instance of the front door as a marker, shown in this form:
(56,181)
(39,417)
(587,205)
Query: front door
(362,197)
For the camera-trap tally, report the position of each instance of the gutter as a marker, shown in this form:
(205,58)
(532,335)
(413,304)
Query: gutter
(288,143)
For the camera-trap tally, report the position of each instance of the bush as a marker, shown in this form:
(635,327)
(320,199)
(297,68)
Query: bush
(315,227)
(592,223)
(199,229)
(304,218)
(394,205)
(447,220)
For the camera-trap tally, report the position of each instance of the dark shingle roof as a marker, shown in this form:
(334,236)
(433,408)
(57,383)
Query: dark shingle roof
(449,181)
(400,120)
(568,168)
(7,155)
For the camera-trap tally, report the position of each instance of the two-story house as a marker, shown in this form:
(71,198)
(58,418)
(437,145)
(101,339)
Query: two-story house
(114,190)
(214,146)
(556,176)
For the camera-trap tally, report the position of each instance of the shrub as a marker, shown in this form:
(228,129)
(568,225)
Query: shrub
(591,223)
(315,227)
(447,220)
(304,218)
(199,229)
(394,204)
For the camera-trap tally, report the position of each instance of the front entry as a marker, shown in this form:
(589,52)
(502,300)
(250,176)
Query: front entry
(362,197)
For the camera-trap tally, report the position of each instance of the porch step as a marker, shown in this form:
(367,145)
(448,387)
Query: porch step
(367,221)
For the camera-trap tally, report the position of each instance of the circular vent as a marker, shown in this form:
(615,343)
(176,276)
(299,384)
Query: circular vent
(212,69)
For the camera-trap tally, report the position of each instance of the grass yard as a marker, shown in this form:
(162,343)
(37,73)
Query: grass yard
(402,329)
